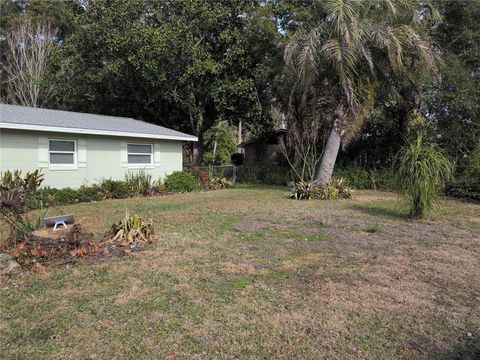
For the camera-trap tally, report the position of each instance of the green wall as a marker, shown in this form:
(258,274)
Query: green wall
(98,157)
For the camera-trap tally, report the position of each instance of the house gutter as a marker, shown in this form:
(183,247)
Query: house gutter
(6,125)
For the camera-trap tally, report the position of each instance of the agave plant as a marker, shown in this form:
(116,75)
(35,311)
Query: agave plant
(334,190)
(132,230)
(304,190)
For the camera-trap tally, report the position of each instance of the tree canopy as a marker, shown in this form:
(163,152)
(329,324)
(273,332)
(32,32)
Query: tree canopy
(192,65)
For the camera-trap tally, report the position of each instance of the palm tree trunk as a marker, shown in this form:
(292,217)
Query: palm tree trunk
(329,158)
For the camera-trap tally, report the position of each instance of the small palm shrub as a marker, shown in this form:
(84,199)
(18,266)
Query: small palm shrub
(421,169)
(180,181)
(335,189)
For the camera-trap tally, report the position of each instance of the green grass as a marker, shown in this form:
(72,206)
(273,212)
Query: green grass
(372,229)
(248,273)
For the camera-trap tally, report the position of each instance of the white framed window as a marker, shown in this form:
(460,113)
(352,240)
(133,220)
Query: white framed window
(139,154)
(62,153)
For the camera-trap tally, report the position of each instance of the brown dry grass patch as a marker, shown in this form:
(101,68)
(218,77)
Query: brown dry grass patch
(247,273)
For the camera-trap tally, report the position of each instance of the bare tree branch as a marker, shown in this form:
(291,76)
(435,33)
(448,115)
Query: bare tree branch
(28,49)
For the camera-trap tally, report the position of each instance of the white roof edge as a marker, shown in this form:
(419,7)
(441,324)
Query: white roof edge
(15,126)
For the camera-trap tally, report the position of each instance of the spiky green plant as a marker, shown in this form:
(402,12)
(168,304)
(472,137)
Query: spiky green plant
(421,170)
(27,224)
(140,182)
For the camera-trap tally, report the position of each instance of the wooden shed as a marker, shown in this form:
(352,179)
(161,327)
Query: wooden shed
(265,150)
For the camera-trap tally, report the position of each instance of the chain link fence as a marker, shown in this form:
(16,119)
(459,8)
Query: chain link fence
(268,175)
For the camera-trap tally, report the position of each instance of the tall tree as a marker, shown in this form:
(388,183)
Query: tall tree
(28,50)
(454,103)
(186,64)
(363,44)
(42,15)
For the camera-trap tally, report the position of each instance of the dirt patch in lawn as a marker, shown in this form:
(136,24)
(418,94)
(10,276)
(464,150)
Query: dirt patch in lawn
(245,268)
(304,260)
(135,290)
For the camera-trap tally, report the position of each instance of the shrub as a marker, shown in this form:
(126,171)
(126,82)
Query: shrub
(44,197)
(89,193)
(467,183)
(464,186)
(14,192)
(27,224)
(65,196)
(217,183)
(180,181)
(421,170)
(334,190)
(140,183)
(361,178)
(263,175)
(303,190)
(112,189)
(202,176)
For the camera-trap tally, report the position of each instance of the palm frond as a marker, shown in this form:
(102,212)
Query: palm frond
(344,61)
(341,12)
(418,45)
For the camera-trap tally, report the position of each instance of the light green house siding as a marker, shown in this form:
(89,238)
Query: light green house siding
(98,157)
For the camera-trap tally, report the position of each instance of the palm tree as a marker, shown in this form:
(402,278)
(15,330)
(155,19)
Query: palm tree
(363,45)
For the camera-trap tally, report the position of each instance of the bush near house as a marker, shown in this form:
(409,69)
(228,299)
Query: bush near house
(181,181)
(140,184)
(112,189)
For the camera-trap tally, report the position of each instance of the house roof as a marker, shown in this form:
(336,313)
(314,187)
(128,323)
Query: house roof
(265,135)
(29,118)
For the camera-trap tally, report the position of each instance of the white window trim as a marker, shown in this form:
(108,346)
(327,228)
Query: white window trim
(63,166)
(140,166)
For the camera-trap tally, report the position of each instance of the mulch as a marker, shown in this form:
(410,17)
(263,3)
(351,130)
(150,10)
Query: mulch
(46,248)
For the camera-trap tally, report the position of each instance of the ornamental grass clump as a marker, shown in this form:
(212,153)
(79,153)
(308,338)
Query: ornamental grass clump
(421,170)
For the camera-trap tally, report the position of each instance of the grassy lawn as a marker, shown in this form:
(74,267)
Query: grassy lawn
(248,273)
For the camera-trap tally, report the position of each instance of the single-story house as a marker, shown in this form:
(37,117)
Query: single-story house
(265,150)
(73,149)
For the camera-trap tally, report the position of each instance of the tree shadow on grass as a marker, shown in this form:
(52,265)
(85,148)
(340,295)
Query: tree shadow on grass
(467,349)
(382,210)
